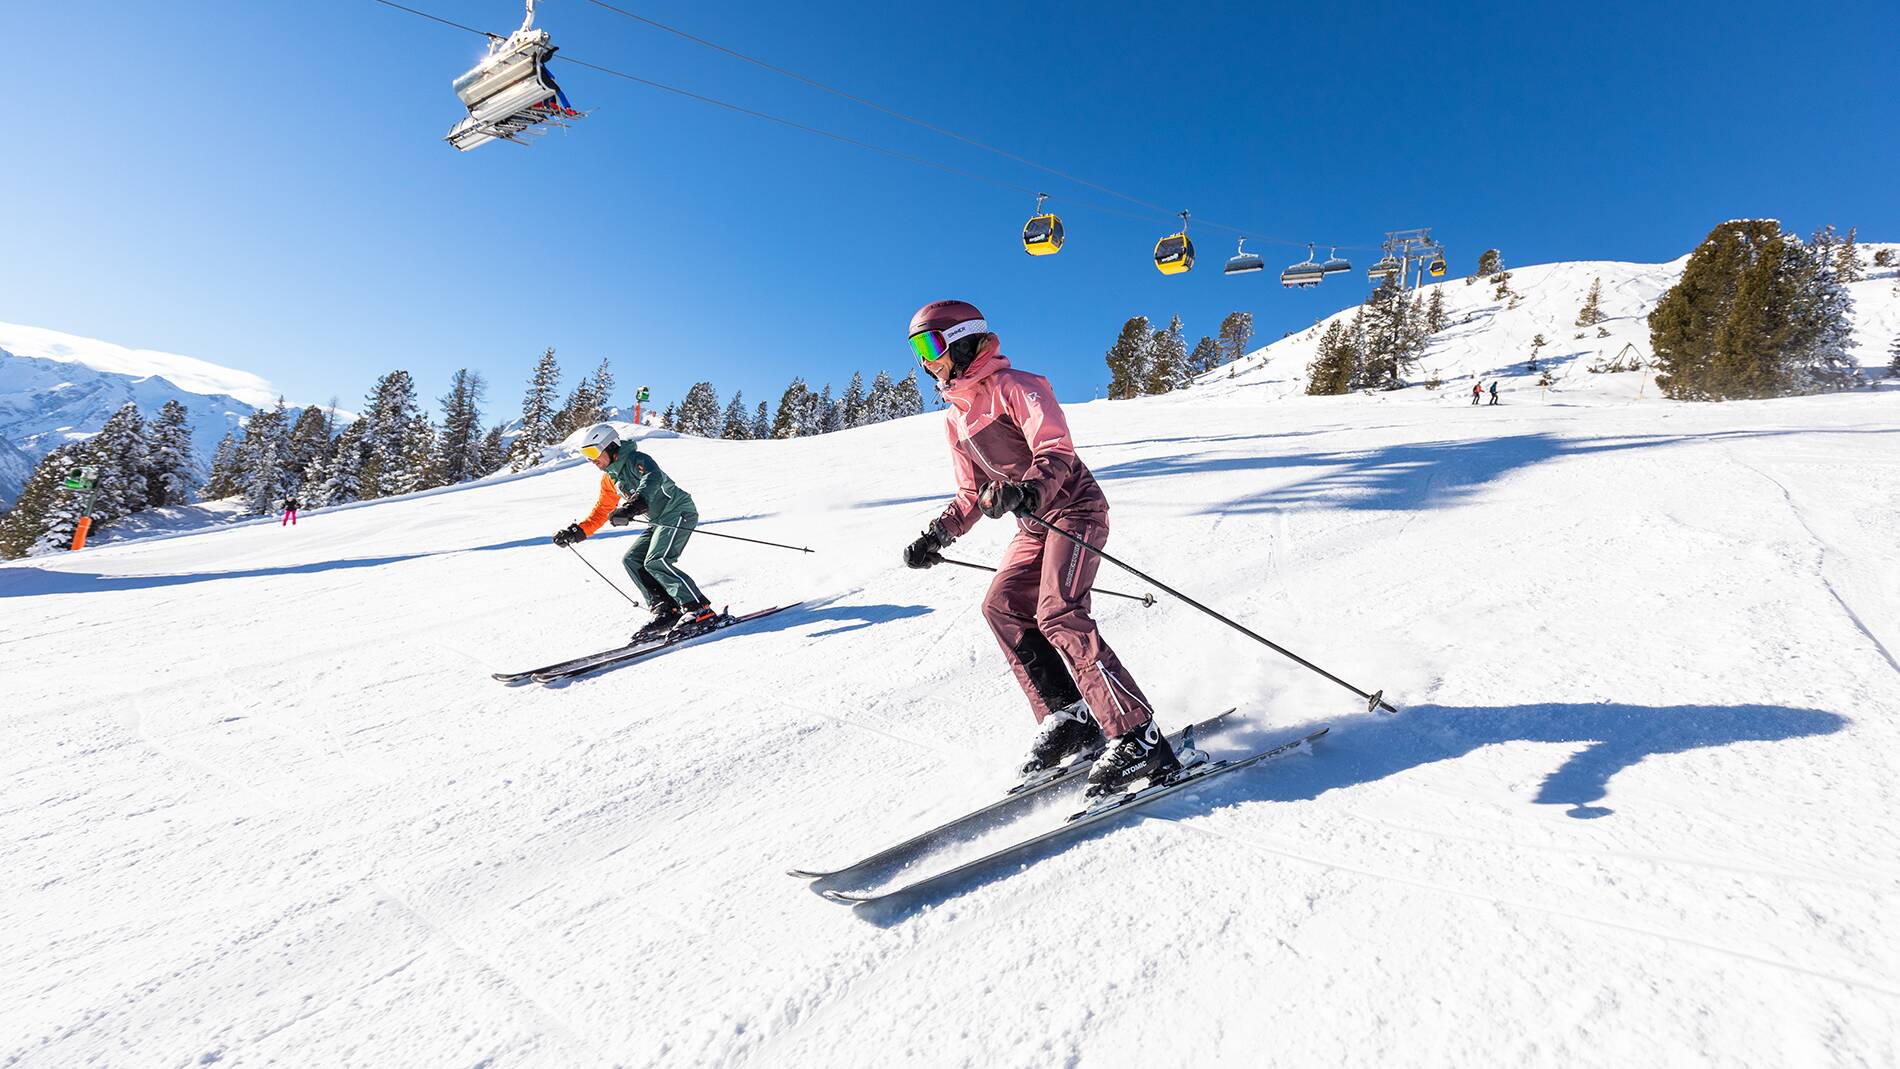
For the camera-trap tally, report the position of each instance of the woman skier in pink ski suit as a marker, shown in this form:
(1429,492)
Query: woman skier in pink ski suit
(1013,453)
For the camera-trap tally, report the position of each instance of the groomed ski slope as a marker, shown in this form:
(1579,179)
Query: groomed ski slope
(263,804)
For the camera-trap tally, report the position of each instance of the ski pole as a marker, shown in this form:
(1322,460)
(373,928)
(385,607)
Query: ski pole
(604,579)
(1145,599)
(735,538)
(1374,700)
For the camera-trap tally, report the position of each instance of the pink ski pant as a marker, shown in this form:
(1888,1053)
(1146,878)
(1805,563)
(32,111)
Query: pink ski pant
(1038,604)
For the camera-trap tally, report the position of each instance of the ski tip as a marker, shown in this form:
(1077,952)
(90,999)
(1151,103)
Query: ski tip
(846,898)
(808,874)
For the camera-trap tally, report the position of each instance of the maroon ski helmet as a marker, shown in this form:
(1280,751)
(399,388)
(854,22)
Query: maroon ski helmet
(942,315)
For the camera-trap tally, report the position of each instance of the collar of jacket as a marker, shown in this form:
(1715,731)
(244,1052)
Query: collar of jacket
(964,388)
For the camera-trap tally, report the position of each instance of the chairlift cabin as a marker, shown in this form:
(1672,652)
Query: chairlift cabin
(1174,254)
(1437,266)
(510,91)
(1243,262)
(1303,274)
(1387,266)
(1335,264)
(1042,234)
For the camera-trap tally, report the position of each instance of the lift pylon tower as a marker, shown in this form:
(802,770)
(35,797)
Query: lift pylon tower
(1410,247)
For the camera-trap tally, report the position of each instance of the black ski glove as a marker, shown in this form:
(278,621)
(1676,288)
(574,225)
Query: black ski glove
(569,535)
(624,515)
(998,498)
(923,552)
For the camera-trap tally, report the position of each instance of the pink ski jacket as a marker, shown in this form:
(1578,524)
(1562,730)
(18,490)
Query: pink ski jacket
(1004,425)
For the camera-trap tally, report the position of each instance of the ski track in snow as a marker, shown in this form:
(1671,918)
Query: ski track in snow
(263,804)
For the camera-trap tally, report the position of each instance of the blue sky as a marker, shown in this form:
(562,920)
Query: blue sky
(264,185)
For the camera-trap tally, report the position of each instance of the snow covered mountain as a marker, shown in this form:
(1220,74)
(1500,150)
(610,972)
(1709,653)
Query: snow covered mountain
(1637,808)
(57,387)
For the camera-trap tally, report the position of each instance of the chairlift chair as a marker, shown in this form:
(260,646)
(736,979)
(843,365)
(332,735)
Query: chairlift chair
(1304,274)
(1335,264)
(1174,254)
(510,91)
(1042,234)
(1243,262)
(1387,266)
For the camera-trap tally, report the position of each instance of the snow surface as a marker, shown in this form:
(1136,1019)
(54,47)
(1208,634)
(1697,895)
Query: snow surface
(263,804)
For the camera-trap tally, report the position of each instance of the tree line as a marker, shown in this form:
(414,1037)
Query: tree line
(140,464)
(801,411)
(1381,344)
(1145,360)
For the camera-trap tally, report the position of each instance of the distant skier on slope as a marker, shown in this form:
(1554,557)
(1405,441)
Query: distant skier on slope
(677,603)
(290,512)
(1494,391)
(1477,390)
(1012,452)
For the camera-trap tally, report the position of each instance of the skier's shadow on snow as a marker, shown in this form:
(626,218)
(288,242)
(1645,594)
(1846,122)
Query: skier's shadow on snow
(1365,749)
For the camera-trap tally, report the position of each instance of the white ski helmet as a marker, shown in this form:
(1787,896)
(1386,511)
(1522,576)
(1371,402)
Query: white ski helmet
(598,439)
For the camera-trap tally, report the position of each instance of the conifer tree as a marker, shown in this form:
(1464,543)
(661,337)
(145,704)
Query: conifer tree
(1756,313)
(1847,266)
(343,475)
(122,454)
(736,426)
(761,424)
(1167,359)
(1331,371)
(1883,257)
(537,415)
(1537,344)
(830,412)
(309,445)
(788,422)
(1205,357)
(459,447)
(172,477)
(1489,263)
(1127,359)
(264,459)
(699,412)
(906,398)
(389,438)
(669,419)
(877,403)
(1236,332)
(1592,313)
(33,513)
(1893,366)
(222,482)
(852,405)
(494,455)
(1388,344)
(1503,292)
(603,390)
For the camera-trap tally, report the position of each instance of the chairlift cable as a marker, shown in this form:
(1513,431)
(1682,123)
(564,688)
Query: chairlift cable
(844,139)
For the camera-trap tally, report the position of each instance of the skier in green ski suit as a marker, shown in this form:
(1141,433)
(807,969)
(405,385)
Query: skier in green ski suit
(653,559)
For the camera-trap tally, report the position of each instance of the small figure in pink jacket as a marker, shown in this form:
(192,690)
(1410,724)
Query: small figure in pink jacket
(1013,454)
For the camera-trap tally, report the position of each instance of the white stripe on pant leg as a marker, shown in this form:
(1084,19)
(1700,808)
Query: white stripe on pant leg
(699,596)
(1131,694)
(1111,691)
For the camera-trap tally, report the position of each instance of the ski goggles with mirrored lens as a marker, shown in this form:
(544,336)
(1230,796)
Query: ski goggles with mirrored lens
(933,345)
(591,452)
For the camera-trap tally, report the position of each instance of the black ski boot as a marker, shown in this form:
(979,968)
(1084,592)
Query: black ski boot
(695,620)
(1141,752)
(1063,733)
(663,620)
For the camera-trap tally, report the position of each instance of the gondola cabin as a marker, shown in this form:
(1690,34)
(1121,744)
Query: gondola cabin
(1437,267)
(1174,254)
(1042,235)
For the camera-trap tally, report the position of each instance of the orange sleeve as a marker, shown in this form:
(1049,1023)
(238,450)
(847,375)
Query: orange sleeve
(604,507)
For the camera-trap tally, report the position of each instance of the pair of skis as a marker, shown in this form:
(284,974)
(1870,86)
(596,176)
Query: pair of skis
(633,651)
(1196,771)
